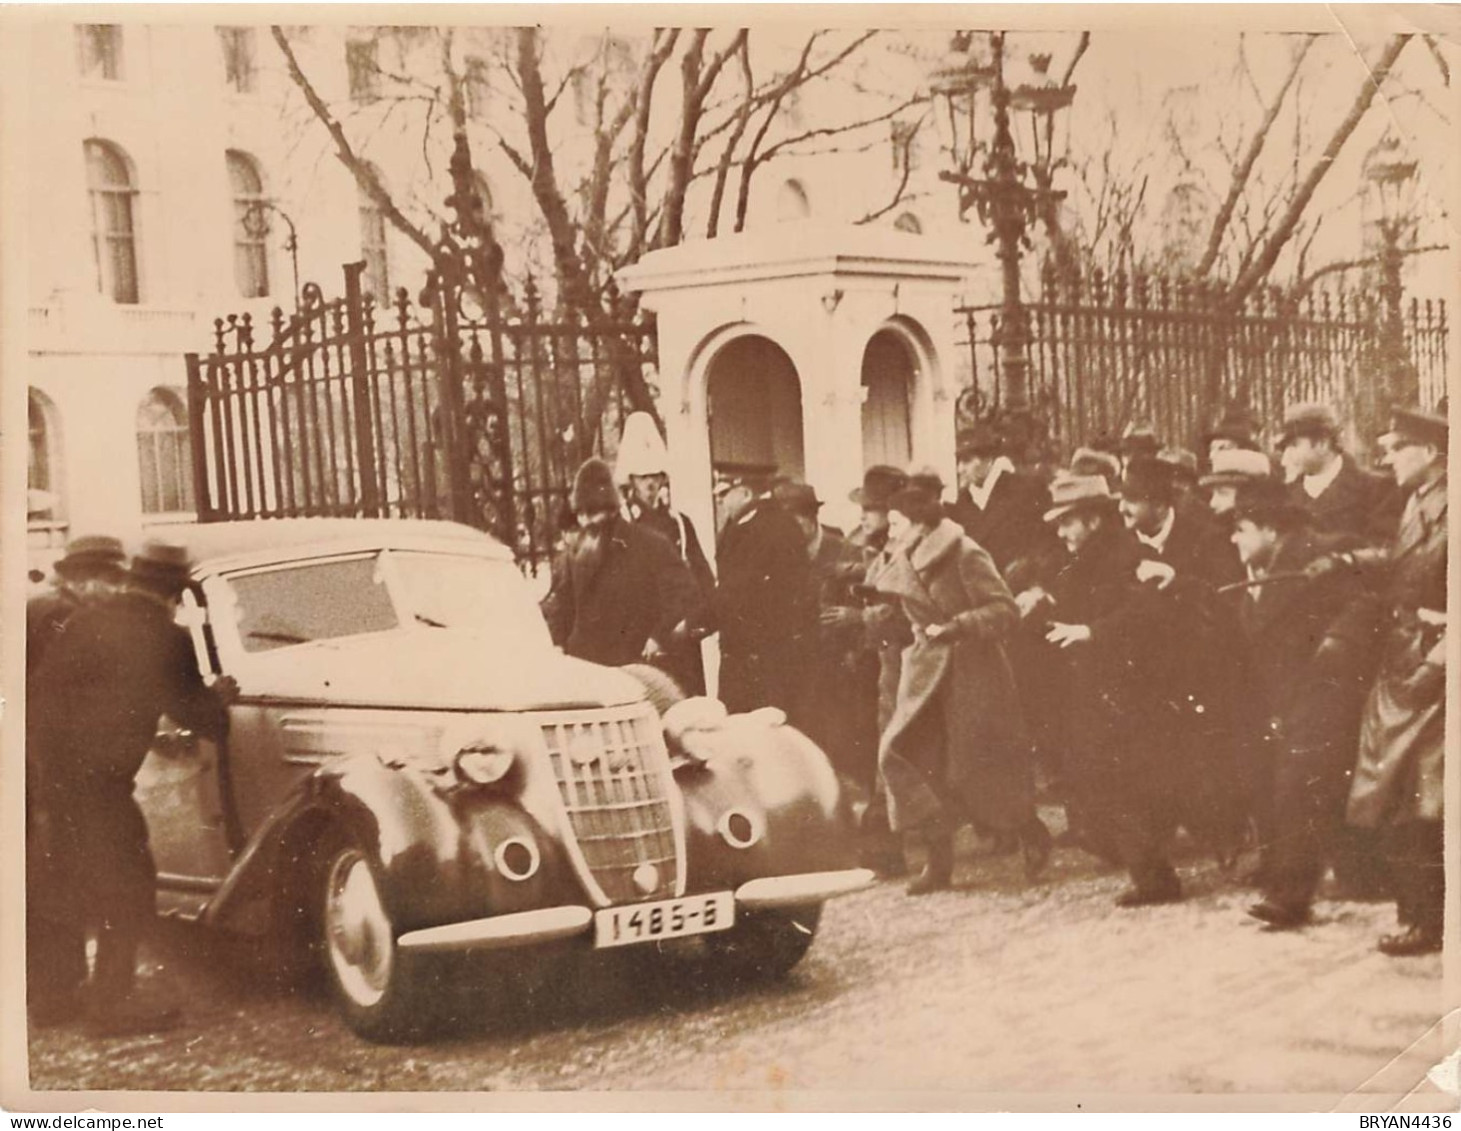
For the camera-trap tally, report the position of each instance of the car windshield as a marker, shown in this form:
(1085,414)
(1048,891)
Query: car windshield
(378,592)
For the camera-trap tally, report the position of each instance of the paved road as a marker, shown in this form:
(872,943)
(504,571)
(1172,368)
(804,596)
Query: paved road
(943,1001)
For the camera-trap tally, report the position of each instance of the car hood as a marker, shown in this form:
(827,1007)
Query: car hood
(436,669)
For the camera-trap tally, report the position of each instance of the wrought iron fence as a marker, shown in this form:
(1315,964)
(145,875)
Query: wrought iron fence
(479,412)
(1105,352)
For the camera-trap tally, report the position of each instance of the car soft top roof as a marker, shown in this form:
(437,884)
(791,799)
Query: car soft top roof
(211,544)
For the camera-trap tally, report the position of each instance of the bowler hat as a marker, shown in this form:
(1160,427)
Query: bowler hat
(593,488)
(160,563)
(1309,419)
(1184,463)
(1267,502)
(1239,424)
(1092,461)
(1235,466)
(797,497)
(1149,480)
(1418,426)
(1069,492)
(879,483)
(1140,440)
(92,554)
(980,440)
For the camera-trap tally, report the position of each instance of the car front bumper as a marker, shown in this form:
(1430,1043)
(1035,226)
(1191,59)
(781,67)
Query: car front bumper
(549,924)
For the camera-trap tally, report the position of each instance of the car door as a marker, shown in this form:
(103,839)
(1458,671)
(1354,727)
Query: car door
(182,793)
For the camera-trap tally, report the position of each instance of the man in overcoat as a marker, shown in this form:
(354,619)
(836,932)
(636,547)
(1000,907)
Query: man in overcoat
(956,750)
(1398,780)
(1310,659)
(620,594)
(92,568)
(764,608)
(998,506)
(121,664)
(1339,495)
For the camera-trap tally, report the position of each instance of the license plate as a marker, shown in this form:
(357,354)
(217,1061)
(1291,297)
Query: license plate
(667,919)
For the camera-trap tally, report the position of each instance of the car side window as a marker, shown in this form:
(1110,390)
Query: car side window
(308,602)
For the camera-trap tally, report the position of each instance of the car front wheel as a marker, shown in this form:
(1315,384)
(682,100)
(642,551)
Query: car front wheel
(764,945)
(381,991)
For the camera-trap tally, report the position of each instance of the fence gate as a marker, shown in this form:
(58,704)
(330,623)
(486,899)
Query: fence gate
(466,409)
(1106,351)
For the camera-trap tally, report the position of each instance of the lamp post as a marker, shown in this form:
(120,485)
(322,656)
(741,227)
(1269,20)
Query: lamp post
(1010,193)
(255,221)
(1390,171)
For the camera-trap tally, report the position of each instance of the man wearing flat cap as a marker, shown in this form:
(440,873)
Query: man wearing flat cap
(997,506)
(1340,496)
(1310,676)
(92,568)
(1398,779)
(121,664)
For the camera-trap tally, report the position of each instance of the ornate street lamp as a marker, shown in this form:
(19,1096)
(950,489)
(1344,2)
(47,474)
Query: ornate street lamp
(255,221)
(1390,171)
(1007,193)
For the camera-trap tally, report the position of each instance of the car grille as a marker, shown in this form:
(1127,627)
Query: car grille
(614,780)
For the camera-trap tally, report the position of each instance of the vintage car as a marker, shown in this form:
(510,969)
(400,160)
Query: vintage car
(415,777)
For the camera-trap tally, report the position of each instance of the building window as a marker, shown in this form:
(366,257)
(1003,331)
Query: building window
(373,250)
(113,234)
(99,51)
(164,455)
(250,227)
(908,223)
(478,88)
(238,58)
(42,503)
(362,61)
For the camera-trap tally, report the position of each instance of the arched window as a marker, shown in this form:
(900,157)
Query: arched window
(113,236)
(792,202)
(251,226)
(908,223)
(43,502)
(373,249)
(164,455)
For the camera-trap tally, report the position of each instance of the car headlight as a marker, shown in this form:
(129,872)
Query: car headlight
(484,763)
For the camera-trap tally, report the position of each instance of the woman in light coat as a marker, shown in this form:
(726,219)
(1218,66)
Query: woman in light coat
(956,750)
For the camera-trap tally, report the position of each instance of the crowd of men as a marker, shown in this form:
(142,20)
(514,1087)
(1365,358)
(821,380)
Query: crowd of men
(1247,645)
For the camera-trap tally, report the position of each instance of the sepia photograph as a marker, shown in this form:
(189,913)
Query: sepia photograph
(729,558)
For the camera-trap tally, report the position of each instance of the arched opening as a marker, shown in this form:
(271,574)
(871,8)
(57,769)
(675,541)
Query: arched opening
(792,202)
(755,410)
(909,223)
(44,495)
(164,454)
(251,225)
(888,370)
(112,190)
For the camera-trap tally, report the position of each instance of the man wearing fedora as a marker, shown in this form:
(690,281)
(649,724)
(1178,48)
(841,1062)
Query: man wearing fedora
(1398,779)
(1231,469)
(92,568)
(997,506)
(1340,496)
(121,664)
(1309,682)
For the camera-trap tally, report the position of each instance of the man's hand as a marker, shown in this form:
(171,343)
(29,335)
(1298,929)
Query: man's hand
(1160,572)
(225,687)
(652,650)
(1067,634)
(1031,599)
(840,616)
(937,632)
(1326,564)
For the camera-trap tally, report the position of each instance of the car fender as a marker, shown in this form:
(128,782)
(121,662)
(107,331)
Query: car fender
(433,844)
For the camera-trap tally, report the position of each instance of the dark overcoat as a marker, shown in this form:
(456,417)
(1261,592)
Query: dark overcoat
(677,529)
(610,596)
(1010,526)
(1400,773)
(956,748)
(765,608)
(121,664)
(1358,503)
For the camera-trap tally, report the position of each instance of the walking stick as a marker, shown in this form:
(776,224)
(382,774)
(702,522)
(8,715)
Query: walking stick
(1271,579)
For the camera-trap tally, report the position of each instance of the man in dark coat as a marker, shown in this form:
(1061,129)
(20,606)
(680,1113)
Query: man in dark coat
(92,569)
(1195,726)
(1310,669)
(1076,610)
(119,667)
(1340,496)
(997,506)
(620,594)
(1399,778)
(764,607)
